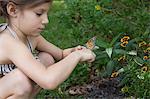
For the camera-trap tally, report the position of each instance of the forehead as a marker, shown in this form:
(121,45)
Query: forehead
(44,6)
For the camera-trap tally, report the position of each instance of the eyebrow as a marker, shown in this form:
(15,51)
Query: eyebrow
(41,9)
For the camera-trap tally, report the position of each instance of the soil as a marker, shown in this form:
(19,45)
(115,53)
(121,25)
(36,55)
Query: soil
(96,88)
(99,89)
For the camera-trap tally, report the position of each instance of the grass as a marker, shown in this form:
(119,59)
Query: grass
(63,39)
(126,17)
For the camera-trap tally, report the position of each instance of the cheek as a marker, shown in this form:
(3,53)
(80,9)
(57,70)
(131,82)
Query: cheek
(30,18)
(29,24)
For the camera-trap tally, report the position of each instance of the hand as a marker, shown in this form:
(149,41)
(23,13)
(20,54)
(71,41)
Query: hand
(66,52)
(86,55)
(79,47)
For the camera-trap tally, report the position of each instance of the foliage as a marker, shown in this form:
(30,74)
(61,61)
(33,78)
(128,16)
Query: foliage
(122,28)
(123,35)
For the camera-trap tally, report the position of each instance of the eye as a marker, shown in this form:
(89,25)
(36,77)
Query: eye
(38,14)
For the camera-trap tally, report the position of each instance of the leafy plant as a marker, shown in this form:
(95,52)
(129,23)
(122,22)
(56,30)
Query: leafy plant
(123,36)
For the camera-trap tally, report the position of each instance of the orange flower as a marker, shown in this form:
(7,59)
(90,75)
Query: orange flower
(123,44)
(125,38)
(114,74)
(145,57)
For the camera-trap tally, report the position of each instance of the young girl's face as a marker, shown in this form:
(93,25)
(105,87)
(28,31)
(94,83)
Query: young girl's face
(32,21)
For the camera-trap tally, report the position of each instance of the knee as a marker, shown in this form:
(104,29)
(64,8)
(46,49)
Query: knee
(46,58)
(23,84)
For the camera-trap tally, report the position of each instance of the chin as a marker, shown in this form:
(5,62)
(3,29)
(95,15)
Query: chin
(37,35)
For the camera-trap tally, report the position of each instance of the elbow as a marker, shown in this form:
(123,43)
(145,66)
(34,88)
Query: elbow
(50,85)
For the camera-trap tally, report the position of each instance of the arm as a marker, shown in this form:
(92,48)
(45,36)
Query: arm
(68,51)
(56,52)
(48,78)
(45,46)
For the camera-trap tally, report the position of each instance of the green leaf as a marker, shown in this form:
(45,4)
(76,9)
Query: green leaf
(110,67)
(121,70)
(147,32)
(139,61)
(115,39)
(109,51)
(101,54)
(102,43)
(120,51)
(134,53)
(124,81)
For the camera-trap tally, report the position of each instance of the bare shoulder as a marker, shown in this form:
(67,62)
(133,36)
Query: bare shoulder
(6,42)
(17,52)
(11,47)
(21,56)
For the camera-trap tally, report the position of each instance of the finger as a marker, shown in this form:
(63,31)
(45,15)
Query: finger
(79,47)
(83,47)
(94,56)
(92,60)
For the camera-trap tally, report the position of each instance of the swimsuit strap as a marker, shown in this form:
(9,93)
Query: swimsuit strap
(3,26)
(29,44)
(12,32)
(15,36)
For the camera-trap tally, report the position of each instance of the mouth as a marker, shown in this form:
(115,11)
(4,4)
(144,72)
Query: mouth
(40,29)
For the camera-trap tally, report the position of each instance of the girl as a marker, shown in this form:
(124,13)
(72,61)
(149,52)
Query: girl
(19,65)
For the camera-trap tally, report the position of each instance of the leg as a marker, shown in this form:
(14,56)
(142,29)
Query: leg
(21,87)
(15,85)
(47,60)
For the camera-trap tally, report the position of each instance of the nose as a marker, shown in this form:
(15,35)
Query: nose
(45,20)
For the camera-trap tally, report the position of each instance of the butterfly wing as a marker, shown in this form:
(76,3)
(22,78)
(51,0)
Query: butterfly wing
(91,43)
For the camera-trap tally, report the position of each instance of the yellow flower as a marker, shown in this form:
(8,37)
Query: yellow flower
(121,58)
(98,7)
(122,40)
(124,89)
(148,49)
(145,57)
(144,69)
(125,38)
(145,51)
(114,74)
(143,43)
(123,44)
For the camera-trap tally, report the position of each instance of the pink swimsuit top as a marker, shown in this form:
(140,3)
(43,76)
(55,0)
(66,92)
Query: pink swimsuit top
(6,68)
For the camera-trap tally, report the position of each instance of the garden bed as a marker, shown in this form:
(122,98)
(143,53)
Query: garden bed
(123,37)
(99,88)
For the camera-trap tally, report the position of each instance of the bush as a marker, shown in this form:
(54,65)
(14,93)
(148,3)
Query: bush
(123,35)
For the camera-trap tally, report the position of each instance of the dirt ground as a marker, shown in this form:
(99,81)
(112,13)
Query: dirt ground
(99,89)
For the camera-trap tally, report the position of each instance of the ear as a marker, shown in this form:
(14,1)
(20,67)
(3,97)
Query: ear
(12,9)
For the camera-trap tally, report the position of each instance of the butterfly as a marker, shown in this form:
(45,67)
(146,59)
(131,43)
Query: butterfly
(90,44)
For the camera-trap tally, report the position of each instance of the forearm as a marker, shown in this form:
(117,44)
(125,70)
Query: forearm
(66,52)
(61,70)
